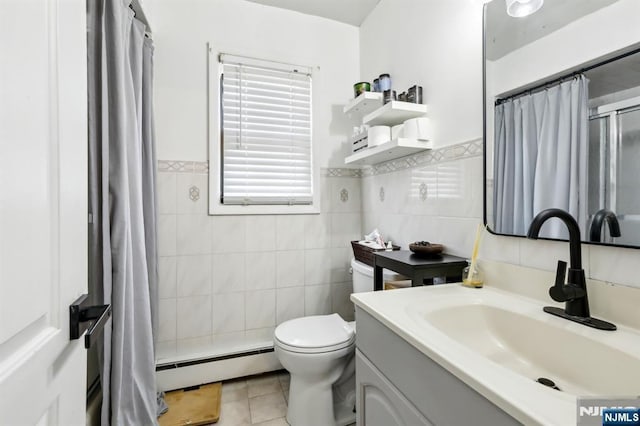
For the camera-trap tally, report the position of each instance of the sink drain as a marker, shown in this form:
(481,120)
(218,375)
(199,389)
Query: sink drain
(547,382)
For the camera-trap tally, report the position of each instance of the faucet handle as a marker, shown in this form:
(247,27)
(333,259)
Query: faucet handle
(561,292)
(561,273)
(557,292)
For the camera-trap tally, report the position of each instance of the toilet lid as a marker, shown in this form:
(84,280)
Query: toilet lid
(320,333)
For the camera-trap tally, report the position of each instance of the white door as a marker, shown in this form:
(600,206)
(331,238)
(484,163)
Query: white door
(43,209)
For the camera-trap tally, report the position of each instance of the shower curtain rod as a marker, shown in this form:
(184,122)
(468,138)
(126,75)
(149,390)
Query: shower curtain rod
(539,87)
(564,77)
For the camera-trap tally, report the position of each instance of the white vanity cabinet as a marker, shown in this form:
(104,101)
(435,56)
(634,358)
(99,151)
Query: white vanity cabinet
(396,384)
(379,402)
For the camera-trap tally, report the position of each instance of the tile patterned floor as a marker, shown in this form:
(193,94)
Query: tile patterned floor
(259,400)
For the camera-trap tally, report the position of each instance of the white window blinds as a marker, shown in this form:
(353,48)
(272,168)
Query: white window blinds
(266,132)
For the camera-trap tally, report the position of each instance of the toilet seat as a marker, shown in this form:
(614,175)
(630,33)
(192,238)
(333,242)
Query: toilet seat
(315,334)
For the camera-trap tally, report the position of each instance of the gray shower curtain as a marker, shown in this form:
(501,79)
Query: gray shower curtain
(123,257)
(541,158)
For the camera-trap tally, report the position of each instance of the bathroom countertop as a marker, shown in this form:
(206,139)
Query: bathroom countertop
(517,395)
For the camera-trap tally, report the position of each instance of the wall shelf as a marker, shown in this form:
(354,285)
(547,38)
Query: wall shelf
(388,151)
(363,104)
(394,112)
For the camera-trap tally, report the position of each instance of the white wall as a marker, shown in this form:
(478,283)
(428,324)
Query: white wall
(447,210)
(607,30)
(438,45)
(182,29)
(227,281)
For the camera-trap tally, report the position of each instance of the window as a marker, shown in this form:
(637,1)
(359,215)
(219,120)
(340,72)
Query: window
(265,133)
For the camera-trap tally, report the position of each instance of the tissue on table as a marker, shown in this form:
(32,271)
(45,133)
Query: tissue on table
(373,240)
(371,244)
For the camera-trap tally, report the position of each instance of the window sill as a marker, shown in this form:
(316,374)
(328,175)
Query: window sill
(217,209)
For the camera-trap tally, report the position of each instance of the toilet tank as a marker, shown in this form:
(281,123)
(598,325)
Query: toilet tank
(362,276)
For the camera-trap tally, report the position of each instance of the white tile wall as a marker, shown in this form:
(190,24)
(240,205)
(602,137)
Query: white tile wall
(166,235)
(289,303)
(193,275)
(166,349)
(447,210)
(259,337)
(614,265)
(317,231)
(260,309)
(166,183)
(352,202)
(228,342)
(186,202)
(317,266)
(340,293)
(422,203)
(193,234)
(227,281)
(340,265)
(260,271)
(451,211)
(193,317)
(264,270)
(290,232)
(167,277)
(317,300)
(345,227)
(501,249)
(532,255)
(228,272)
(261,233)
(167,320)
(228,234)
(458,234)
(290,268)
(460,192)
(228,313)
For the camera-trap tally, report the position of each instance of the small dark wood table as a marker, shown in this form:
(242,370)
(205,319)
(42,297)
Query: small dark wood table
(416,267)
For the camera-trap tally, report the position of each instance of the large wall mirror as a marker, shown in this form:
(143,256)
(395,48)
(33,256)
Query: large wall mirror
(562,118)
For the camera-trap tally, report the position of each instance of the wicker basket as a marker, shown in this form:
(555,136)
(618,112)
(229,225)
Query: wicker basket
(364,254)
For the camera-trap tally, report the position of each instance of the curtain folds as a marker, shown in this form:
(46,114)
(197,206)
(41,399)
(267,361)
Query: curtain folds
(123,256)
(540,159)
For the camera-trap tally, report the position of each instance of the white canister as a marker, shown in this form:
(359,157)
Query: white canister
(417,128)
(379,135)
(396,131)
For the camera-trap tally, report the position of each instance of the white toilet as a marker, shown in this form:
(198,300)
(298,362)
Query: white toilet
(318,351)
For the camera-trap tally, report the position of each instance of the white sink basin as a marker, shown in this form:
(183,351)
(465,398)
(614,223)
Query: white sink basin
(542,346)
(499,343)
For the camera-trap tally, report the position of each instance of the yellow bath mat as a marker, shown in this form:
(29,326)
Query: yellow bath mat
(193,406)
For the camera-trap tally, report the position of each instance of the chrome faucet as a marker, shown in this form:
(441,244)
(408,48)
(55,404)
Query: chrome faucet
(574,291)
(595,232)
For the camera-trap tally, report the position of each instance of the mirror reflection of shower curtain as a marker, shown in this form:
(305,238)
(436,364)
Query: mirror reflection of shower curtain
(628,176)
(614,156)
(540,158)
